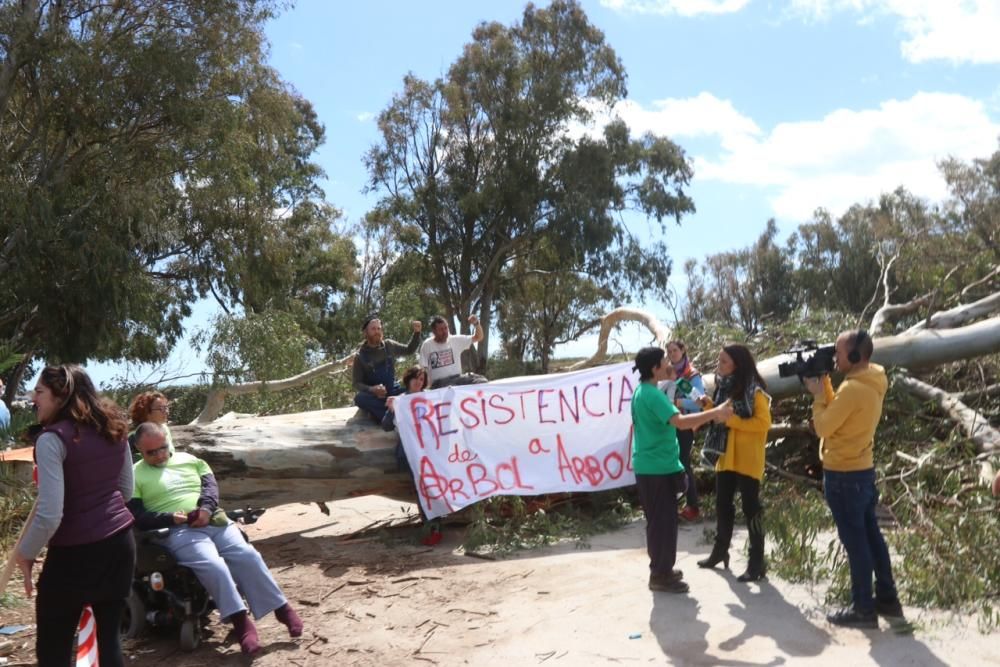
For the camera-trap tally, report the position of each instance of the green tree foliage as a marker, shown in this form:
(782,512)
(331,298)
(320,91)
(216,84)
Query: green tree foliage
(975,205)
(269,345)
(840,265)
(478,168)
(742,288)
(390,282)
(152,158)
(540,307)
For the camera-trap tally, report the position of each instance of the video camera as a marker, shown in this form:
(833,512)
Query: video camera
(820,362)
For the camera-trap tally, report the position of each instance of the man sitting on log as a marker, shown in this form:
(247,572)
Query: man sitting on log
(441,355)
(178,491)
(374,370)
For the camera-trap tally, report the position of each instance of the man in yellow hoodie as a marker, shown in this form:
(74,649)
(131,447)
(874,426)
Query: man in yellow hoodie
(845,422)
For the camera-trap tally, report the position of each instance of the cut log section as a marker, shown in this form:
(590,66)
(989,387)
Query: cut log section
(304,457)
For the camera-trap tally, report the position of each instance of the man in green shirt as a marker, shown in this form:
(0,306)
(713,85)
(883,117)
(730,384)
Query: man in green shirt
(178,491)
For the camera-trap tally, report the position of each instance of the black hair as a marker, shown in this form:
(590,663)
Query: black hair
(437,319)
(860,345)
(368,320)
(646,360)
(746,368)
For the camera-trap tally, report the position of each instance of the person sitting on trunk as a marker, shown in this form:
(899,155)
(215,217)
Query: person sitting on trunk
(441,355)
(374,370)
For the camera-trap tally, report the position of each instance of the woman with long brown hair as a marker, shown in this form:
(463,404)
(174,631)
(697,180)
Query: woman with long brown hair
(84,481)
(737,447)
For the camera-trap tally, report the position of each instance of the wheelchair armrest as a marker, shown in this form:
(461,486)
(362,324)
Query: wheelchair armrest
(246,516)
(154,534)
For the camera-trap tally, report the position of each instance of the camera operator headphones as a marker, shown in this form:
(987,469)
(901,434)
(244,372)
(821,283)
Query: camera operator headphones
(854,356)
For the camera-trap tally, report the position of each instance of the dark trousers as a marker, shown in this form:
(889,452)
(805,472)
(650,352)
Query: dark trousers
(686,440)
(98,574)
(458,380)
(658,495)
(727,483)
(375,405)
(852,497)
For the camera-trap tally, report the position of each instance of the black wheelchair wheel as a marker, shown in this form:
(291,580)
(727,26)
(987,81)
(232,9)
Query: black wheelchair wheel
(134,617)
(190,634)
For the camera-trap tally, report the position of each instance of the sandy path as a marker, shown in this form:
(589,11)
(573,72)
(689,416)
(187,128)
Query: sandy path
(374,603)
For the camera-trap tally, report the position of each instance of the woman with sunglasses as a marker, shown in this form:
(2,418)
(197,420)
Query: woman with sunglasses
(150,406)
(84,481)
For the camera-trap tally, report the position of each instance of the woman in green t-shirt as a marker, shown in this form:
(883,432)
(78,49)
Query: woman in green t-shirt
(659,474)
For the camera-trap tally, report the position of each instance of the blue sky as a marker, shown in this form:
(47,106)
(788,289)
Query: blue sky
(783,106)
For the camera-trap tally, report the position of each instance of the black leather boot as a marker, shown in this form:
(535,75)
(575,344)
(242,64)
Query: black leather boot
(756,568)
(718,555)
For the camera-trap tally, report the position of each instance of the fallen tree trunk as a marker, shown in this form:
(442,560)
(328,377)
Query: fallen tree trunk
(304,457)
(921,349)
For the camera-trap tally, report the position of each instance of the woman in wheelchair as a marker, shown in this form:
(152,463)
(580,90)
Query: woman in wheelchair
(178,491)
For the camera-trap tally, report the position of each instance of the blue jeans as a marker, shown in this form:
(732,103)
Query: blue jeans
(375,405)
(226,565)
(852,497)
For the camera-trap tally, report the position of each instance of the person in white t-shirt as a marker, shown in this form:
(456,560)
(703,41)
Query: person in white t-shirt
(441,355)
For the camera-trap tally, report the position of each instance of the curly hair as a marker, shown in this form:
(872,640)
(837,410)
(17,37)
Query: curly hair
(80,402)
(139,409)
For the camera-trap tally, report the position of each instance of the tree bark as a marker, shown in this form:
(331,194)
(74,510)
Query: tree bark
(305,457)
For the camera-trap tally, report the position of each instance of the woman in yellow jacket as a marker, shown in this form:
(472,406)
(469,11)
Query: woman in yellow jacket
(738,444)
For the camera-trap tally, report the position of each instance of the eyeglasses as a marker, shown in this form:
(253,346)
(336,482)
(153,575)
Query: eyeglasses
(157,451)
(165,408)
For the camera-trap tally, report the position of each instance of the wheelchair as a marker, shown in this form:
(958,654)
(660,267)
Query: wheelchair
(165,594)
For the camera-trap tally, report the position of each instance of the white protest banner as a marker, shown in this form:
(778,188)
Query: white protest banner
(535,435)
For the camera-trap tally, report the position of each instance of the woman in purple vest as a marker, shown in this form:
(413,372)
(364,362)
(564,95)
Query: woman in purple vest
(84,480)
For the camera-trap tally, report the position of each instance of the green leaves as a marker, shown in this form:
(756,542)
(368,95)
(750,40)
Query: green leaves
(482,166)
(153,157)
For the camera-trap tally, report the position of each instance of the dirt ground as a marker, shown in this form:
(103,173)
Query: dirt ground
(378,601)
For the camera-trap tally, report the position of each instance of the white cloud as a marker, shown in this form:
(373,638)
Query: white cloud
(845,157)
(966,31)
(365,116)
(699,116)
(680,7)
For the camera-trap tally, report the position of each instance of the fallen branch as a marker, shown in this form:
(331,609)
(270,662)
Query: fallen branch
(985,392)
(661,333)
(989,276)
(783,430)
(217,397)
(959,315)
(976,427)
(792,476)
(922,349)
